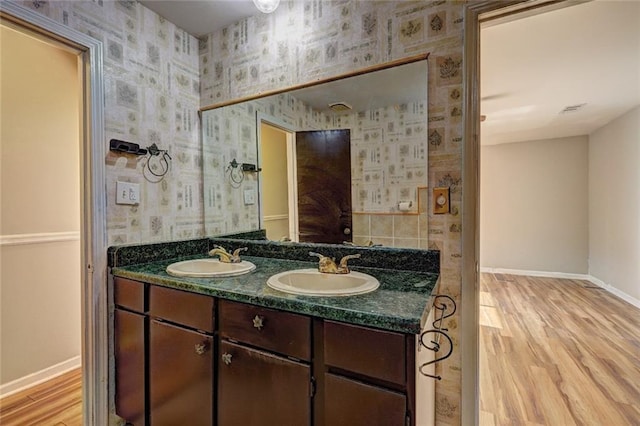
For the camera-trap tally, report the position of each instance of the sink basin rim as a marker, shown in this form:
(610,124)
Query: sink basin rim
(367,284)
(209,268)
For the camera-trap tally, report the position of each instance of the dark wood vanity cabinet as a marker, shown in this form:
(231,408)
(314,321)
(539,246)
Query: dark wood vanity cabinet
(163,350)
(180,357)
(259,388)
(256,366)
(130,330)
(264,372)
(368,376)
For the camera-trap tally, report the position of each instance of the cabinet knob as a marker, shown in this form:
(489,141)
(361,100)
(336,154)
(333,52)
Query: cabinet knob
(258,322)
(226,358)
(201,348)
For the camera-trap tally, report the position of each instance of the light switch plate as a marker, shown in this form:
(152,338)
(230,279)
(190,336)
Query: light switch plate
(249,197)
(127,193)
(441,201)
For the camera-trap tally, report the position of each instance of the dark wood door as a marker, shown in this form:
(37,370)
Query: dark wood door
(180,376)
(261,389)
(129,342)
(351,403)
(323,161)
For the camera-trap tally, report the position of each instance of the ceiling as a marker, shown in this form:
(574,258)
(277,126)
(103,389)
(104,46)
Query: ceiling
(203,16)
(532,68)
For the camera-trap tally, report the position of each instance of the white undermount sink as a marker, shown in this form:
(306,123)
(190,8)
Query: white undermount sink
(209,268)
(311,282)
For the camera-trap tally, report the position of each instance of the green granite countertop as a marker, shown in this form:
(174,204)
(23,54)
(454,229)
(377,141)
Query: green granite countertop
(401,303)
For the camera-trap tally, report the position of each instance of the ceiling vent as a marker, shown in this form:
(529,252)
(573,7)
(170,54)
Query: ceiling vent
(572,108)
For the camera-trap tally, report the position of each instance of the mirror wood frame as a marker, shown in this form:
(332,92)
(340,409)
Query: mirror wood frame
(260,95)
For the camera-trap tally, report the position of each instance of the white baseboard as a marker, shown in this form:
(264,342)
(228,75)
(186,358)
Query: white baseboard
(611,289)
(39,376)
(536,273)
(622,295)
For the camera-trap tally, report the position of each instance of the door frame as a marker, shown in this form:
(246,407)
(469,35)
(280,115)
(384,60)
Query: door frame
(93,240)
(477,15)
(292,189)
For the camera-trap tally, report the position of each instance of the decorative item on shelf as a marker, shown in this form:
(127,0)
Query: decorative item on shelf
(237,170)
(156,166)
(438,330)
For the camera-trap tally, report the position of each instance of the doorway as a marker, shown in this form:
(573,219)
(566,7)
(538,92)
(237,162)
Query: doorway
(40,208)
(315,168)
(576,150)
(92,215)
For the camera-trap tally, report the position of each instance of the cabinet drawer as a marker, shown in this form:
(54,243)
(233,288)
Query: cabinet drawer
(282,332)
(129,294)
(181,307)
(374,353)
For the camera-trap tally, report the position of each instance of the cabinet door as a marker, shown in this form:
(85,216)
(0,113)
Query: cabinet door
(260,389)
(351,403)
(180,376)
(129,334)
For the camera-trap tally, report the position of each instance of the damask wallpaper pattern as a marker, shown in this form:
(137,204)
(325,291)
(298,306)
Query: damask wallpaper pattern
(157,76)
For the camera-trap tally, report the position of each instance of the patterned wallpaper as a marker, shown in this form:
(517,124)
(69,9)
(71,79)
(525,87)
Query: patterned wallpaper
(153,70)
(304,41)
(151,77)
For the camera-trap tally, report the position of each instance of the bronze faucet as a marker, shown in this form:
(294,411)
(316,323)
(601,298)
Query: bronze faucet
(327,265)
(225,256)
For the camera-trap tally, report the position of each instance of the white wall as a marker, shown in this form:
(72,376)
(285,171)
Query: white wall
(40,207)
(534,203)
(275,186)
(614,204)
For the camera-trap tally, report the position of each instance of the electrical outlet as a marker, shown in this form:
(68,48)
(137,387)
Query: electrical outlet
(127,193)
(249,197)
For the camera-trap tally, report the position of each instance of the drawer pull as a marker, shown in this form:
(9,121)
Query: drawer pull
(201,348)
(258,322)
(226,358)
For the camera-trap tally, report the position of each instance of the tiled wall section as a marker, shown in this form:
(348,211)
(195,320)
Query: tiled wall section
(304,41)
(151,77)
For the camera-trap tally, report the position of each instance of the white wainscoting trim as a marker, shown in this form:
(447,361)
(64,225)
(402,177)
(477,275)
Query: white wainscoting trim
(276,217)
(611,289)
(39,376)
(48,237)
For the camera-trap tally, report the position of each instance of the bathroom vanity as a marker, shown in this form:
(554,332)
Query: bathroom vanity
(232,351)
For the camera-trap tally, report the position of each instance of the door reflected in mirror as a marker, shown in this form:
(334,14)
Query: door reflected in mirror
(384,114)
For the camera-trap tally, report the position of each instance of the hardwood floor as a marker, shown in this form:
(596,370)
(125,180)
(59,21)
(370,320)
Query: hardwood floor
(557,352)
(57,402)
(552,352)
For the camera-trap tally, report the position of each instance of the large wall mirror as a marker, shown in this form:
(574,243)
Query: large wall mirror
(344,160)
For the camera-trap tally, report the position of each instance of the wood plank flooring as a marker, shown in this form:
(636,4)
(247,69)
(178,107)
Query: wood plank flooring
(57,402)
(557,352)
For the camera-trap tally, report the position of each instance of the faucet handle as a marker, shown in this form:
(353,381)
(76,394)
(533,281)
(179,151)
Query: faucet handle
(326,264)
(343,262)
(235,257)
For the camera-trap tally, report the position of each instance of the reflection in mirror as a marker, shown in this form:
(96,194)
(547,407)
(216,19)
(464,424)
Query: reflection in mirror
(296,140)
